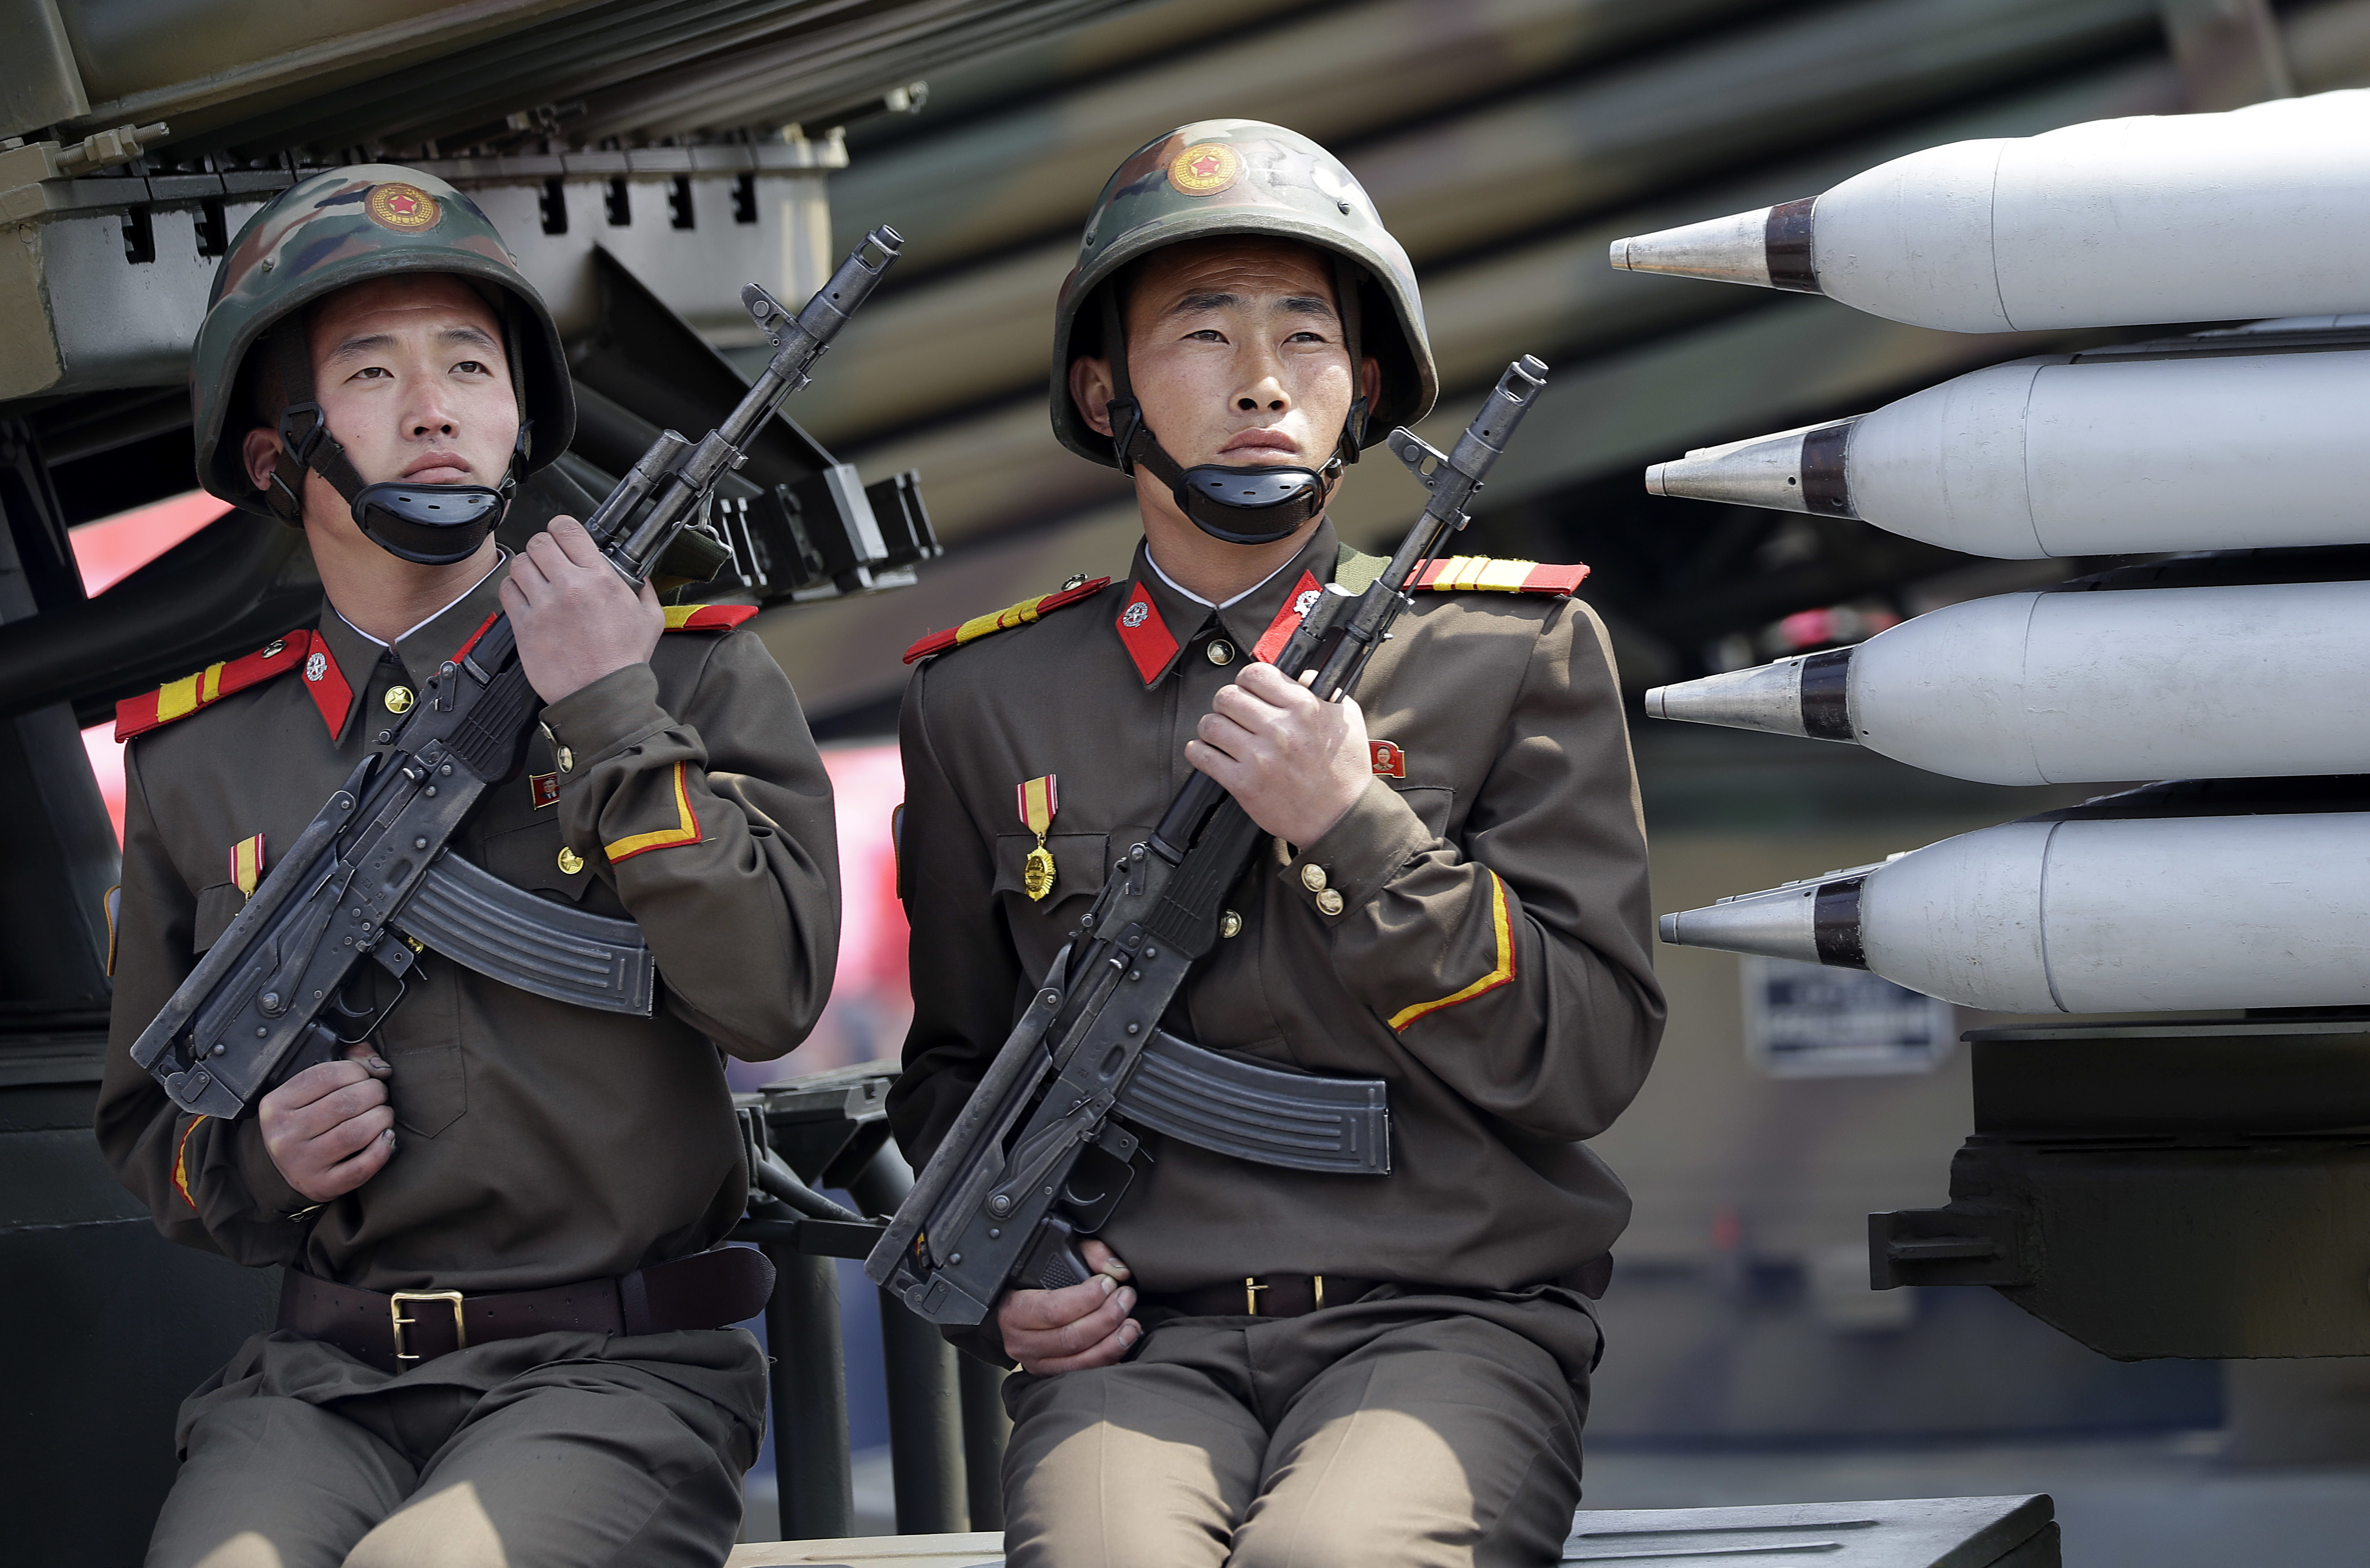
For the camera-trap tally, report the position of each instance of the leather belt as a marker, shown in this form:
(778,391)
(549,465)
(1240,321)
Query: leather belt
(408,1328)
(1266,1296)
(1298,1294)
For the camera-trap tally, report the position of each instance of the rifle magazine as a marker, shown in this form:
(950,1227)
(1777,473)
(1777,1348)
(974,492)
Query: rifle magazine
(475,918)
(1332,1125)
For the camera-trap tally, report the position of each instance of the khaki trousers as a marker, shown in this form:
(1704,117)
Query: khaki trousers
(1400,1432)
(571,1450)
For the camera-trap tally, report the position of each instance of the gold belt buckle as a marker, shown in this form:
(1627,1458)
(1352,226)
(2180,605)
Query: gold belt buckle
(1252,1286)
(395,1305)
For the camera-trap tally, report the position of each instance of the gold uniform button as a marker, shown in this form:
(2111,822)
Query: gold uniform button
(1230,924)
(1311,876)
(570,861)
(1328,902)
(1221,651)
(398,699)
(566,760)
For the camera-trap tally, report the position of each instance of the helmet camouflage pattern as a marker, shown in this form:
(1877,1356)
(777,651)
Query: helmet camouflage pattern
(347,226)
(1246,176)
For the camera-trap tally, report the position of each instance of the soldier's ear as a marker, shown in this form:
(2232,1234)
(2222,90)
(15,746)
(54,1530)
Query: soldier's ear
(260,453)
(1090,389)
(1370,380)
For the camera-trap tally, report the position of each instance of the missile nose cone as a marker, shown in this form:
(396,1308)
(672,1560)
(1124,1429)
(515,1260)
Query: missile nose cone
(1812,922)
(1798,470)
(1768,698)
(1775,924)
(1733,249)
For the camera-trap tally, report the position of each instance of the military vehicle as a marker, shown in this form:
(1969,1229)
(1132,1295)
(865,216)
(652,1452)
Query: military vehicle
(645,162)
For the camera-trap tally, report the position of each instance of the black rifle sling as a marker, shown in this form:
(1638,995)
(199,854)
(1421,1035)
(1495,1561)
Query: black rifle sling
(1187,916)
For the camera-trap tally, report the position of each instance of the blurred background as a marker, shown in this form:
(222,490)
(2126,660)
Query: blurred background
(1505,141)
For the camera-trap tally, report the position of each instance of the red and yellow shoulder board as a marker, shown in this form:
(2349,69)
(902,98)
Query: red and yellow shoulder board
(1468,573)
(1020,615)
(178,699)
(707,617)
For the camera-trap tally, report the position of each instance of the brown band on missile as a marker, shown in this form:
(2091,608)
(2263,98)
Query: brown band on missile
(1825,711)
(1835,924)
(1786,241)
(1825,488)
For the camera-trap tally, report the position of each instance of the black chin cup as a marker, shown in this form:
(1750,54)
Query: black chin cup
(435,525)
(1249,505)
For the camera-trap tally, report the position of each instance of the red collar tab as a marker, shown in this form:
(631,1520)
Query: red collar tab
(1145,636)
(1297,607)
(1018,615)
(178,699)
(327,685)
(1452,573)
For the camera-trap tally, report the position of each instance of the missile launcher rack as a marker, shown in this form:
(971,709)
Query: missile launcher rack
(2165,1184)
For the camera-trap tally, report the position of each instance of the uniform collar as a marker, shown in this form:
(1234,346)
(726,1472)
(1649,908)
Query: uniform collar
(340,682)
(1171,619)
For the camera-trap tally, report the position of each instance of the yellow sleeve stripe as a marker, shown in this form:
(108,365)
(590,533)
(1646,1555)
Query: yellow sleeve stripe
(1502,926)
(685,831)
(181,1162)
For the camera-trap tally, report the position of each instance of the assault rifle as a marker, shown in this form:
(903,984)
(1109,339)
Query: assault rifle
(1049,1142)
(373,879)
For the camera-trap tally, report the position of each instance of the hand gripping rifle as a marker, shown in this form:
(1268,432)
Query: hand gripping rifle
(1047,1145)
(371,877)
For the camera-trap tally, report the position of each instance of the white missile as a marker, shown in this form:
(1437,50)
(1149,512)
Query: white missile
(2091,454)
(2255,681)
(2261,211)
(2139,916)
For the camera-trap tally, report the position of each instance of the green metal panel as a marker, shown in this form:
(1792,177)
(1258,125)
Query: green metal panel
(38,81)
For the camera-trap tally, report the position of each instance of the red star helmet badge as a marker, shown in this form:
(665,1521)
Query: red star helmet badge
(1206,169)
(404,208)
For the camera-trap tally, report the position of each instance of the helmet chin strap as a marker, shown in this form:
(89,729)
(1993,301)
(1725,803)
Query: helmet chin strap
(434,525)
(1241,505)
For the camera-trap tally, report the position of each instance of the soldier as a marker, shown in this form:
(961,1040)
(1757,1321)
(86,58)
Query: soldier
(1289,1366)
(502,1334)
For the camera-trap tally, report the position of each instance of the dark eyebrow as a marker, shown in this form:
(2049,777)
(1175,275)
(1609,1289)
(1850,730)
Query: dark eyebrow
(373,342)
(369,343)
(1215,299)
(1206,299)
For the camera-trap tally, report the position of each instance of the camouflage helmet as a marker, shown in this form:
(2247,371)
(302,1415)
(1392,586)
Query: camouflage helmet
(1245,176)
(347,226)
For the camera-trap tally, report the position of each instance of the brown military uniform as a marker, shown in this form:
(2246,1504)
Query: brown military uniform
(538,1144)
(1474,931)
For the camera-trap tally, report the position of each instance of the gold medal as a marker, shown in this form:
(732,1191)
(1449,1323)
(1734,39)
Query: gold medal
(1037,873)
(1038,801)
